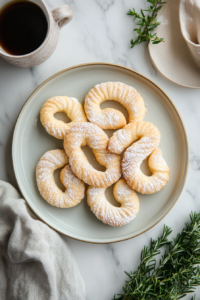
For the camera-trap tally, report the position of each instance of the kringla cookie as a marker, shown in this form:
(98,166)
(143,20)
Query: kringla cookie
(87,133)
(75,188)
(109,214)
(146,137)
(110,118)
(71,106)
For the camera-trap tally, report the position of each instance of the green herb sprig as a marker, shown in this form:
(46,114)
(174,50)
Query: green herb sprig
(147,23)
(177,273)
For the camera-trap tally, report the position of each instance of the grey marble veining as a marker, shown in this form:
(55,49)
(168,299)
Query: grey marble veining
(101,31)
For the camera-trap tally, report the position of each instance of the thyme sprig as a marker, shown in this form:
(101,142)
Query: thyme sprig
(177,272)
(147,23)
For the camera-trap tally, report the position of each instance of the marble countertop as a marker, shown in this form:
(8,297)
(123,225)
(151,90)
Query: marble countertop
(100,32)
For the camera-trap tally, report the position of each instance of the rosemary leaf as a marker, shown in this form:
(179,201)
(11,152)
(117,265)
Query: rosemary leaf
(178,272)
(147,23)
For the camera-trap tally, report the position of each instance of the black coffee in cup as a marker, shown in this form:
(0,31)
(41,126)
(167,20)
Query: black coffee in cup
(23,27)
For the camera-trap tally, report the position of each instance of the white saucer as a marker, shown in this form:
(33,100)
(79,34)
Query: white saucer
(172,58)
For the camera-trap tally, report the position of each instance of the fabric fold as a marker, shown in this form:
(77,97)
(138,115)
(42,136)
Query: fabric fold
(35,261)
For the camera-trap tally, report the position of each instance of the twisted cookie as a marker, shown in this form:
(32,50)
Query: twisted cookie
(148,138)
(75,188)
(76,137)
(110,118)
(109,214)
(70,106)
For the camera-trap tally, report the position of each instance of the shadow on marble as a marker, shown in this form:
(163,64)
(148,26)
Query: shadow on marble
(5,65)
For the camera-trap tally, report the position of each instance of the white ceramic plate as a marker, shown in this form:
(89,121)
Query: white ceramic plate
(31,141)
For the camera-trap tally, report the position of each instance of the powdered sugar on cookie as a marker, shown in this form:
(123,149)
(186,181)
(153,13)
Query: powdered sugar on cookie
(109,214)
(96,139)
(110,118)
(75,188)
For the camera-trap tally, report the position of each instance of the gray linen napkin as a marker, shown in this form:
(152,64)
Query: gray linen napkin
(35,261)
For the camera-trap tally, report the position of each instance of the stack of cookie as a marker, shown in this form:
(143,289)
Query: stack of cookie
(139,140)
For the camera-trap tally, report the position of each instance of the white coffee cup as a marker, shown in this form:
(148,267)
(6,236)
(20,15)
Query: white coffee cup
(56,19)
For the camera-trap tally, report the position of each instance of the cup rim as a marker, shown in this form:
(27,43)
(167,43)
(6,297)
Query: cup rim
(190,42)
(43,43)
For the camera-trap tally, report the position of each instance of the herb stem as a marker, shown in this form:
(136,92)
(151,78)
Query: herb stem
(177,273)
(147,23)
(155,9)
(151,20)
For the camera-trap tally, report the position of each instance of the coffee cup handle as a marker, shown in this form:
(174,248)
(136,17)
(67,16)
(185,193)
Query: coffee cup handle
(62,15)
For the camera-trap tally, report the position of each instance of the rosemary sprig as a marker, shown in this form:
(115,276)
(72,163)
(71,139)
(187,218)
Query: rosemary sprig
(147,23)
(177,273)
